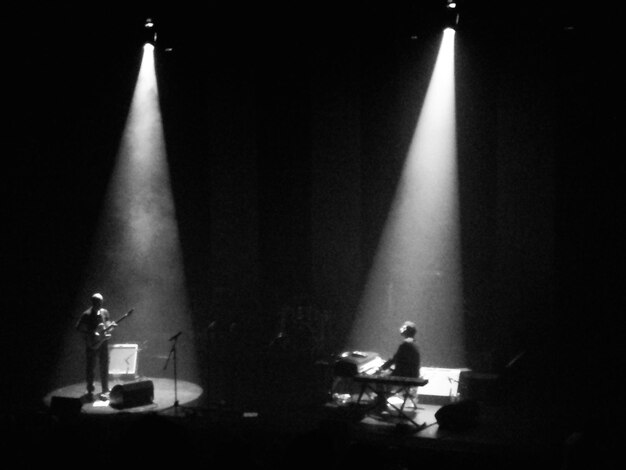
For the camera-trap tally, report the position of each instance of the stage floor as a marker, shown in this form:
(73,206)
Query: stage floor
(504,437)
(166,392)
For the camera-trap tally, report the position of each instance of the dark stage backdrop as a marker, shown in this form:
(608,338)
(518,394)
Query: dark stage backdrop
(285,138)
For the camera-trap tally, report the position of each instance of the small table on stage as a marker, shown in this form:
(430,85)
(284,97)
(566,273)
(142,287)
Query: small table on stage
(386,383)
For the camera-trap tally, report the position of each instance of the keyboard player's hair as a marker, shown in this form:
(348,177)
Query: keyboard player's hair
(408,329)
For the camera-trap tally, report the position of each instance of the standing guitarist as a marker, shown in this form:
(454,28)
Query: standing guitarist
(95,325)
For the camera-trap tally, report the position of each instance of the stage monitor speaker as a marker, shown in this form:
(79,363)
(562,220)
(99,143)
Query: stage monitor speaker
(458,416)
(132,394)
(65,406)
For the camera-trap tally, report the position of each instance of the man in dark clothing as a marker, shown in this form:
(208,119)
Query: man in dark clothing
(406,360)
(404,363)
(95,325)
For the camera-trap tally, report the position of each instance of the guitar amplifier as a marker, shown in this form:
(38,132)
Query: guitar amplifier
(481,387)
(123,359)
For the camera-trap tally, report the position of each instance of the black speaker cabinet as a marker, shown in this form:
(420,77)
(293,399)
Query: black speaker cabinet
(483,387)
(132,394)
(458,416)
(65,406)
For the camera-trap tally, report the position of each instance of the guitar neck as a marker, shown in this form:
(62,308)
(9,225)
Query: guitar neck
(119,320)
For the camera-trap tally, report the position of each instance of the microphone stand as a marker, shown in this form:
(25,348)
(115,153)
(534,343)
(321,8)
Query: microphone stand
(173,354)
(453,398)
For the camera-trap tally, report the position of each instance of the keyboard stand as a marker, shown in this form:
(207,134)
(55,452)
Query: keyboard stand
(384,390)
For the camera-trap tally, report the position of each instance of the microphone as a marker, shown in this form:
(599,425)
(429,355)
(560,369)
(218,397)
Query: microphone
(176,336)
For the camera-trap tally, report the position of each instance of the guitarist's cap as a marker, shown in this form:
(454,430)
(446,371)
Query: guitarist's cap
(97,296)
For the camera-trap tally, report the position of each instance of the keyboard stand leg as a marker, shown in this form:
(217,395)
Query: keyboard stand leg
(406,395)
(361,393)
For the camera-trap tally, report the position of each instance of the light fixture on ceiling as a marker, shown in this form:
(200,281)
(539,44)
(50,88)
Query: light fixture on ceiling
(149,30)
(451,15)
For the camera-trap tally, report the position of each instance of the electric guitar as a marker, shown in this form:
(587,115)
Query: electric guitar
(103,331)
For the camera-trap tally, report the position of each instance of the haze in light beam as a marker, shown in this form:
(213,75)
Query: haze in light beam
(136,259)
(416,274)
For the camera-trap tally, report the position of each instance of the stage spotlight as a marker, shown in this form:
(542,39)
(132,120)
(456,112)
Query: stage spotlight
(149,32)
(451,15)
(416,272)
